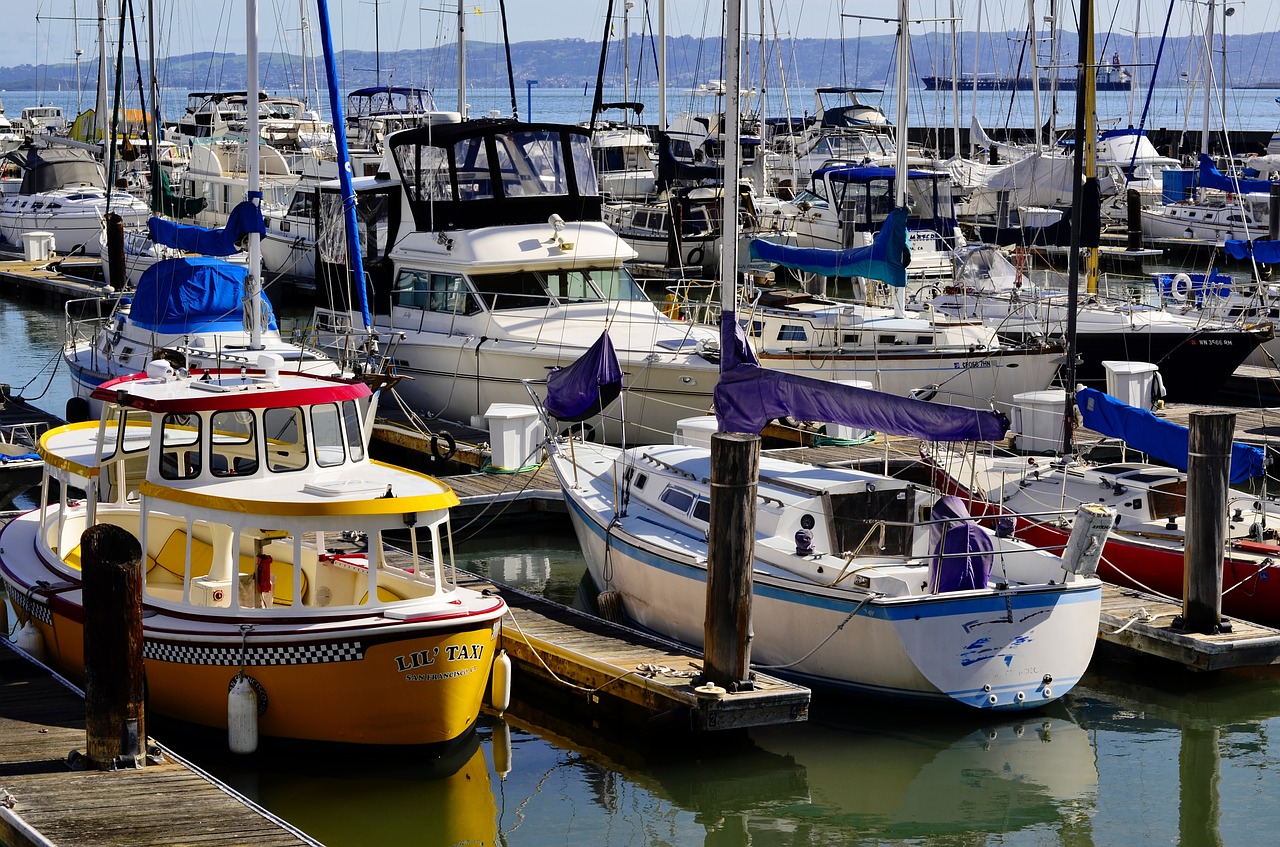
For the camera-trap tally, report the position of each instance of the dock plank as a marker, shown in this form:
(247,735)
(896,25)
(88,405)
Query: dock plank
(170,803)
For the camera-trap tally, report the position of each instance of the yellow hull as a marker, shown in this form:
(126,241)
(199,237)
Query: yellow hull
(424,688)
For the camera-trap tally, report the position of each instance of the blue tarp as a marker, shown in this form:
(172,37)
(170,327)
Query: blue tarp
(1158,438)
(194,294)
(584,388)
(244,219)
(749,396)
(1211,177)
(1266,252)
(885,259)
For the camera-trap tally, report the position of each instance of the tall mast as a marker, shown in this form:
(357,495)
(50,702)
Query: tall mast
(253,282)
(900,162)
(732,156)
(955,83)
(1208,81)
(100,108)
(662,65)
(462,60)
(1032,36)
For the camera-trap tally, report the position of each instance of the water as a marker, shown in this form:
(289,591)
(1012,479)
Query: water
(1129,757)
(1170,108)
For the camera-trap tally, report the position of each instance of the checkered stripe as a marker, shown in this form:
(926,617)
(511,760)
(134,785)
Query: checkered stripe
(307,654)
(33,607)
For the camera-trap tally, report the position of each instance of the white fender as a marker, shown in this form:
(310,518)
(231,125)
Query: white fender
(501,748)
(242,717)
(30,641)
(500,682)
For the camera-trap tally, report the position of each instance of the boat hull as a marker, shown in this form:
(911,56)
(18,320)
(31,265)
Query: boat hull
(1011,650)
(354,677)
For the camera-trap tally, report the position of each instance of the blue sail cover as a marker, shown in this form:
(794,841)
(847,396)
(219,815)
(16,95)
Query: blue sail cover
(749,396)
(193,294)
(885,259)
(1265,252)
(586,387)
(244,219)
(1211,177)
(1161,439)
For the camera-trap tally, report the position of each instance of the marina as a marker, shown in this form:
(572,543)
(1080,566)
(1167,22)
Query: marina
(405,472)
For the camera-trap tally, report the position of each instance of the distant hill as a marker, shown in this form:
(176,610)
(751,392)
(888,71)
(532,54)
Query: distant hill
(1253,60)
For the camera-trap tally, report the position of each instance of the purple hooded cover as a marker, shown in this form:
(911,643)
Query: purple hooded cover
(584,388)
(962,550)
(749,396)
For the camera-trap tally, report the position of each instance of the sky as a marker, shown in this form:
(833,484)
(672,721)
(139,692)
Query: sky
(43,31)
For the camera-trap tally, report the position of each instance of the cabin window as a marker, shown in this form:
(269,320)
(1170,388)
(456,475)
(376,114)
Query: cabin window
(233,448)
(411,289)
(132,429)
(515,290)
(702,510)
(610,159)
(872,522)
(678,499)
(180,447)
(924,339)
(474,179)
(449,294)
(792,332)
(886,339)
(615,283)
(355,432)
(326,433)
(641,479)
(286,440)
(303,205)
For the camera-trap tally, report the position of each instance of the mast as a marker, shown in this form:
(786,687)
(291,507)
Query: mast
(355,258)
(462,60)
(977,66)
(1084,87)
(1032,37)
(662,65)
(253,282)
(100,107)
(732,156)
(955,84)
(900,162)
(1208,81)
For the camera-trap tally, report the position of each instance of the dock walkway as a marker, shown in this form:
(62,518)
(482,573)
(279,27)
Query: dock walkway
(43,801)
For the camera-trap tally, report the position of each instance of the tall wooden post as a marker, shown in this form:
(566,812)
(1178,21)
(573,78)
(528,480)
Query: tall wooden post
(1208,473)
(1133,200)
(735,469)
(111,562)
(115,252)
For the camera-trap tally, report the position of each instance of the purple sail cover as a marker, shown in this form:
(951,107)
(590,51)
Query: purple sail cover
(583,389)
(245,218)
(885,259)
(749,396)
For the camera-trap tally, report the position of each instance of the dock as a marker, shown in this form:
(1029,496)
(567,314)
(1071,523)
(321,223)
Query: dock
(45,801)
(56,280)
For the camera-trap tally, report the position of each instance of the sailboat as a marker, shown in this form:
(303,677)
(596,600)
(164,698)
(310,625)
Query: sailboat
(861,582)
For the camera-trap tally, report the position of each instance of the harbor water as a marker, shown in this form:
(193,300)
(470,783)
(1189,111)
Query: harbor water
(1131,756)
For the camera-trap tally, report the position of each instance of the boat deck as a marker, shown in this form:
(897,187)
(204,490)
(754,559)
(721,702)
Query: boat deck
(44,801)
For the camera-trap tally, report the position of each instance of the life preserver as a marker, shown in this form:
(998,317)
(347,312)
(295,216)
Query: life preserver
(1180,287)
(450,446)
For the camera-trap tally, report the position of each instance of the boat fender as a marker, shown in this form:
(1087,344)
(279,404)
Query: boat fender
(1180,287)
(695,256)
(242,716)
(77,410)
(500,682)
(443,446)
(501,748)
(30,641)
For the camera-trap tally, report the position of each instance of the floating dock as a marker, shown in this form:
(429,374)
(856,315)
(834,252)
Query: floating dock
(44,801)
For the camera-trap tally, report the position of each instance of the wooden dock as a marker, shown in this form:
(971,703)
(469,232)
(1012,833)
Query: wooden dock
(1140,624)
(56,280)
(44,801)
(623,677)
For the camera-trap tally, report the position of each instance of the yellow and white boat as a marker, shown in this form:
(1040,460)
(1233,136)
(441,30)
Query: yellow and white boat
(232,481)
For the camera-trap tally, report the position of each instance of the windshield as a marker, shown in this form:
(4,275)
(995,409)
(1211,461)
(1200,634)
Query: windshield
(528,288)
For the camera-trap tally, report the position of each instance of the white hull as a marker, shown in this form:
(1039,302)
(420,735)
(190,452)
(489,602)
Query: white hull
(989,649)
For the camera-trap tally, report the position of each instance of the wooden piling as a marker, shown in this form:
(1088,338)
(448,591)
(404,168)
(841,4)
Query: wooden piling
(116,277)
(1273,208)
(1208,474)
(111,567)
(1133,199)
(735,470)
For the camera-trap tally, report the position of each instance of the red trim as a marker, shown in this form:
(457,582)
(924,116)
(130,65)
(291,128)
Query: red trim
(337,389)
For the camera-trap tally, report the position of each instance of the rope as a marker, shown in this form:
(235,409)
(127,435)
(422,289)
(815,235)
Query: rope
(820,644)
